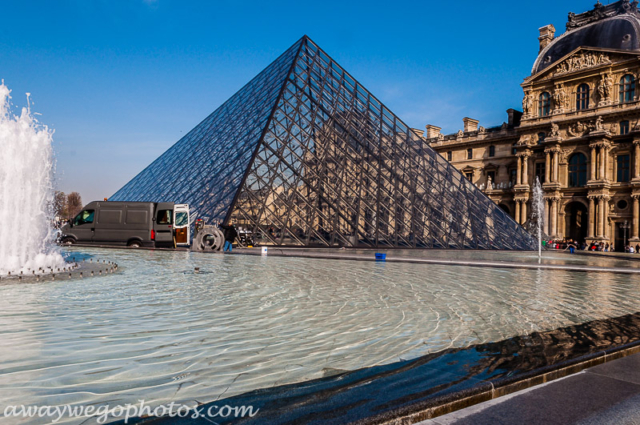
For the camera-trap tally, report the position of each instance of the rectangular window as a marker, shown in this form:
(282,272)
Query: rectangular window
(492,151)
(469,153)
(544,105)
(449,156)
(540,171)
(513,176)
(164,217)
(624,127)
(582,97)
(623,168)
(514,151)
(469,176)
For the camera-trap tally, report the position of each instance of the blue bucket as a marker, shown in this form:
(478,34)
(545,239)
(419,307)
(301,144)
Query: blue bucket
(380,257)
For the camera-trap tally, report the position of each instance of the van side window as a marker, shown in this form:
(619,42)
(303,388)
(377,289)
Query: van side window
(84,217)
(164,217)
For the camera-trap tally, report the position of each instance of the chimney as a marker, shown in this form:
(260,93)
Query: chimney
(470,124)
(418,132)
(433,131)
(514,117)
(547,35)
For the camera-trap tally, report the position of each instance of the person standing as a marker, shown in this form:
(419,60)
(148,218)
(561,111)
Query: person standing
(230,235)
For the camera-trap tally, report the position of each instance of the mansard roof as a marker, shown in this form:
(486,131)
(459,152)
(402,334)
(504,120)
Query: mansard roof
(614,26)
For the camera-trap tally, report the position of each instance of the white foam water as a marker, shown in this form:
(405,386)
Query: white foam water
(27,240)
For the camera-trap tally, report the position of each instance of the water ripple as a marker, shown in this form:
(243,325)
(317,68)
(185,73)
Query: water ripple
(160,332)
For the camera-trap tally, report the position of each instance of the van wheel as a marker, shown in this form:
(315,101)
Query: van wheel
(134,244)
(68,241)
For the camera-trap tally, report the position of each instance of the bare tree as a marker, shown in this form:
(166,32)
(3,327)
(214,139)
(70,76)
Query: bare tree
(60,204)
(74,204)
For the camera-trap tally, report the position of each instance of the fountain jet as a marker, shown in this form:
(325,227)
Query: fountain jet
(27,239)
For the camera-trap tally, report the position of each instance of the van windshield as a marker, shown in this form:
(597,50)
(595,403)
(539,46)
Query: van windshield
(164,217)
(182,219)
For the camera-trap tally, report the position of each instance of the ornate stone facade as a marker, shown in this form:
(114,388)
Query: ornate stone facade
(579,134)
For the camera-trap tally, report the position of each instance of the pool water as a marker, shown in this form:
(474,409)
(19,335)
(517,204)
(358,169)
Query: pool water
(158,331)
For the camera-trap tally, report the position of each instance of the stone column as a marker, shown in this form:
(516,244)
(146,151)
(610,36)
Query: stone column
(546,214)
(547,167)
(592,218)
(517,217)
(600,217)
(605,218)
(554,217)
(519,171)
(635,232)
(603,160)
(593,162)
(636,159)
(555,166)
(525,170)
(523,212)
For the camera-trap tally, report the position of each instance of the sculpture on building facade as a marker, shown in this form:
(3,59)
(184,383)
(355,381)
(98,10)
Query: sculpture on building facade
(527,104)
(555,130)
(524,140)
(599,126)
(559,99)
(605,88)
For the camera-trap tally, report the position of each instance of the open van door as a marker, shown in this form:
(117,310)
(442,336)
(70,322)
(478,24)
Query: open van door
(181,224)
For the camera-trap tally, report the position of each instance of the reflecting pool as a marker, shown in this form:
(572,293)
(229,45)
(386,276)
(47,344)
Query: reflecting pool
(158,331)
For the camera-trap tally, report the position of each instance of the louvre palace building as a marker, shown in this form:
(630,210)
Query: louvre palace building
(578,132)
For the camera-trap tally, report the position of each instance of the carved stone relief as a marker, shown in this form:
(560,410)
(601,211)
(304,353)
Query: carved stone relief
(582,61)
(579,129)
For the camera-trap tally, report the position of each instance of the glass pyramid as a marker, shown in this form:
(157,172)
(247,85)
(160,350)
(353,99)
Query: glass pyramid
(304,155)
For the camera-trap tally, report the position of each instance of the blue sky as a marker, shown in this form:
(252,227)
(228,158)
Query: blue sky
(121,81)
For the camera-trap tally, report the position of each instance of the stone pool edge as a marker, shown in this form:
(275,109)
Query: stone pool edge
(491,264)
(501,387)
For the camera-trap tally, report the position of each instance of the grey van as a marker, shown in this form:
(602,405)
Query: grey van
(133,224)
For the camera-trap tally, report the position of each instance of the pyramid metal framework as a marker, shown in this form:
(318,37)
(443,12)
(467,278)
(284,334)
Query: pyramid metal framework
(304,155)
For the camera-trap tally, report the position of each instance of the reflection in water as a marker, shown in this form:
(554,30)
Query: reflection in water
(161,332)
(380,393)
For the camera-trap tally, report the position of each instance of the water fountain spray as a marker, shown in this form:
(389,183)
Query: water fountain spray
(538,212)
(27,240)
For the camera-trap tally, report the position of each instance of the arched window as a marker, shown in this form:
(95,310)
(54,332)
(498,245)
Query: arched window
(578,170)
(582,97)
(627,88)
(541,137)
(544,107)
